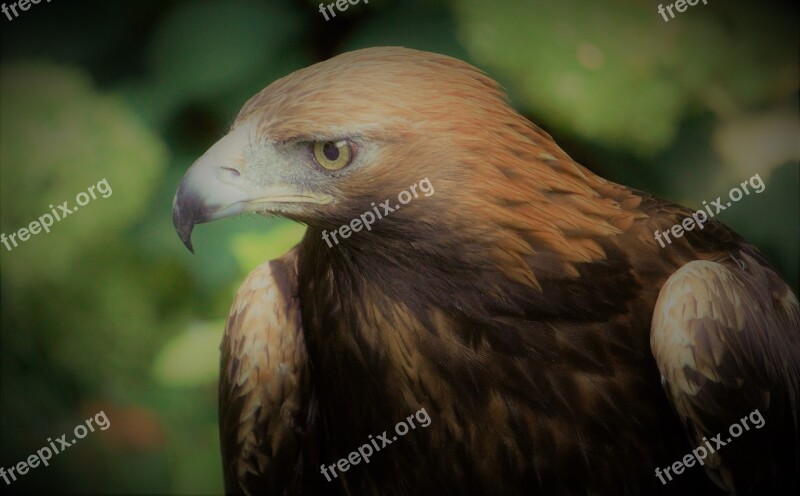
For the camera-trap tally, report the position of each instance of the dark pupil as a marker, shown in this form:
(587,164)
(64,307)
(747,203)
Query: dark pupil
(331,151)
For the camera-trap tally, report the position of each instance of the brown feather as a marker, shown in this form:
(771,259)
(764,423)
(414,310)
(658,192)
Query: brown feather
(515,305)
(264,395)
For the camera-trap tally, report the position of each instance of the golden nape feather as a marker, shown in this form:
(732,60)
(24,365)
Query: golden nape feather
(460,267)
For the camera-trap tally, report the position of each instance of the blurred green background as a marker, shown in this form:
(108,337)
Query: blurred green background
(110,312)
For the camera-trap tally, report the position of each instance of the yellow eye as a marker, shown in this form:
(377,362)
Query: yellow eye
(332,155)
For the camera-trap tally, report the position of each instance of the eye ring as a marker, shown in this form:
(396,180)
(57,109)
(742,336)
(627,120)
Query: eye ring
(333,155)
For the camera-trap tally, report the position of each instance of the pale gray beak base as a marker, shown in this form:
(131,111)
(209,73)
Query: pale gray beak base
(218,185)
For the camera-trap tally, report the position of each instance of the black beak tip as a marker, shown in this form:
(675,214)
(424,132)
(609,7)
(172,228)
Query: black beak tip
(187,242)
(184,224)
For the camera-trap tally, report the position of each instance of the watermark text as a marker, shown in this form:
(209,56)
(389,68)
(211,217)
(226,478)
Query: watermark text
(700,453)
(45,221)
(365,451)
(341,6)
(44,454)
(679,5)
(699,218)
(366,219)
(23,5)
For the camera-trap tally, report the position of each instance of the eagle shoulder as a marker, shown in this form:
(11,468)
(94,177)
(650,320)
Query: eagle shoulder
(726,339)
(266,409)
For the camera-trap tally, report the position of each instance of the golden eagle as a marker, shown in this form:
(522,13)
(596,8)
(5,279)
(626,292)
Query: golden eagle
(521,302)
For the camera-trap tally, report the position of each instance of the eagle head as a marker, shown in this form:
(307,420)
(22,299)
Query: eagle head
(326,143)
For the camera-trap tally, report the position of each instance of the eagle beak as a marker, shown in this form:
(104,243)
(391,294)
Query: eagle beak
(217,186)
(213,187)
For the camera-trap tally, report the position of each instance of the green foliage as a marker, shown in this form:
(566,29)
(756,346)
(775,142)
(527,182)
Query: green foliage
(110,309)
(617,73)
(253,248)
(190,358)
(60,136)
(433,28)
(77,299)
(206,47)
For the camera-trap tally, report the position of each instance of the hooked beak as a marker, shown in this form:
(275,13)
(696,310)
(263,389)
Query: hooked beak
(216,186)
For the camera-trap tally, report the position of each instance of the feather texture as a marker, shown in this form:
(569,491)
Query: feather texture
(515,305)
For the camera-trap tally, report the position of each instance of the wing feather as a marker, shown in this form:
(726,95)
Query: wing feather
(726,338)
(266,407)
